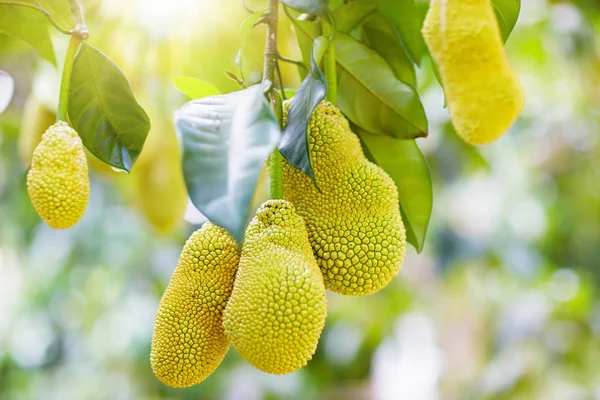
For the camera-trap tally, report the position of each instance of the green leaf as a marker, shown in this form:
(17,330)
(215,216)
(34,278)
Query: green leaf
(371,96)
(507,13)
(317,7)
(60,12)
(226,140)
(104,111)
(406,18)
(245,29)
(194,88)
(306,30)
(7,88)
(406,165)
(294,140)
(384,39)
(30,26)
(350,15)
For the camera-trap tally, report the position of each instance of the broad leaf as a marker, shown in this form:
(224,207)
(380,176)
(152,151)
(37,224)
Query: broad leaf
(317,7)
(507,13)
(406,18)
(104,111)
(30,26)
(406,165)
(384,39)
(294,140)
(226,140)
(60,12)
(194,88)
(7,88)
(350,15)
(371,96)
(306,30)
(245,29)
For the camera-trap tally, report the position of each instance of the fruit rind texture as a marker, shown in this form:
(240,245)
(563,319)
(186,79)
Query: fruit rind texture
(188,342)
(483,92)
(57,182)
(278,307)
(354,223)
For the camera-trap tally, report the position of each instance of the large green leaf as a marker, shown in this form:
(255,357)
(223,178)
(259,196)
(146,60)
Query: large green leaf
(317,7)
(507,13)
(406,18)
(372,97)
(350,15)
(226,140)
(194,88)
(306,30)
(294,140)
(104,111)
(60,12)
(7,88)
(384,39)
(406,165)
(30,26)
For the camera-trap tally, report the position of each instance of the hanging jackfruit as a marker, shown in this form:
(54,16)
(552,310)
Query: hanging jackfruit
(354,224)
(483,93)
(57,182)
(277,310)
(188,343)
(36,119)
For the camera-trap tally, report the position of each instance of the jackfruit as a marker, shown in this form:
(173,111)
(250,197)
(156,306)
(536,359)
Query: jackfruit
(36,119)
(188,342)
(354,224)
(277,310)
(483,93)
(57,182)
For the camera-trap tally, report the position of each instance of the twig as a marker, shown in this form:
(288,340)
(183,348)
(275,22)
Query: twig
(289,60)
(46,14)
(251,11)
(80,27)
(280,79)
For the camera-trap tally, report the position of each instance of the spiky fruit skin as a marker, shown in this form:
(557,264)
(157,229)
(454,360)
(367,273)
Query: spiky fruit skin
(57,182)
(484,94)
(354,223)
(188,342)
(278,307)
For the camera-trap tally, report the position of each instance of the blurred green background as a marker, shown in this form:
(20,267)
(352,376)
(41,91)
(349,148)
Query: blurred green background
(503,303)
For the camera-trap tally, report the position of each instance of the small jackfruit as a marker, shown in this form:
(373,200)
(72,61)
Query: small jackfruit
(57,182)
(188,342)
(36,119)
(354,223)
(277,310)
(484,94)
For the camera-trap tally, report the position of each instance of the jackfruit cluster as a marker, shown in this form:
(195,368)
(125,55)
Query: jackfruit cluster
(189,342)
(354,222)
(57,182)
(483,93)
(277,310)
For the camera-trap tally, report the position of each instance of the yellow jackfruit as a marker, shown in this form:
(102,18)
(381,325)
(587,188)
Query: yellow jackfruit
(36,119)
(277,310)
(57,182)
(484,94)
(354,224)
(188,343)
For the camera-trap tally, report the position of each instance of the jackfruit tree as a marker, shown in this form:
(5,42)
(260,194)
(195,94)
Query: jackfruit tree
(349,187)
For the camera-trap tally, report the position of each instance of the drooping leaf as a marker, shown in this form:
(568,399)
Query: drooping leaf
(317,7)
(226,140)
(194,88)
(406,18)
(7,88)
(406,165)
(30,26)
(104,111)
(507,13)
(350,15)
(245,29)
(306,29)
(371,96)
(384,39)
(294,140)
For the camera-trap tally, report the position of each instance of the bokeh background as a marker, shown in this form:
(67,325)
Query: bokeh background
(503,303)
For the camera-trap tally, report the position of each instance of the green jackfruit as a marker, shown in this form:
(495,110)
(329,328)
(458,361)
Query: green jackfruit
(57,182)
(354,225)
(277,310)
(484,94)
(36,119)
(188,343)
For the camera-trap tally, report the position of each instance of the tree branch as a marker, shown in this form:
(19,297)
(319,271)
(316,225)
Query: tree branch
(80,27)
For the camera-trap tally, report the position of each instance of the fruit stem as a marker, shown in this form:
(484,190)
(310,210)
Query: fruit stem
(63,99)
(330,64)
